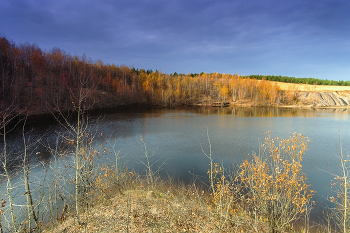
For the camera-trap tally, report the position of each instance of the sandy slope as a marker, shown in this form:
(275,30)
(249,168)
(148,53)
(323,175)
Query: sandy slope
(318,95)
(311,88)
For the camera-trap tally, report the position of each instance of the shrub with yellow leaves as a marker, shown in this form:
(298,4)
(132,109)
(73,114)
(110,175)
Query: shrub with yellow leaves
(273,184)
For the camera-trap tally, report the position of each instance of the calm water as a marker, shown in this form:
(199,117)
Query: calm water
(177,137)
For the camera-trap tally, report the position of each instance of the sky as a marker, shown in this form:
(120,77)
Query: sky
(297,38)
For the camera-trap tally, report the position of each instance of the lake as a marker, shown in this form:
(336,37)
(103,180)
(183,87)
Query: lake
(177,136)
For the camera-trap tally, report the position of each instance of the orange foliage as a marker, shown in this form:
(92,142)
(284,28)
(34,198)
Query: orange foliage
(27,67)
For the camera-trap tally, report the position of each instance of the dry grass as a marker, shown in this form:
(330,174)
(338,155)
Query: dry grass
(169,208)
(182,208)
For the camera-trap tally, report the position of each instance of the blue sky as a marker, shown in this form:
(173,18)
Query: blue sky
(297,38)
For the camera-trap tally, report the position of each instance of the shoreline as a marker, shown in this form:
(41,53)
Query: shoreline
(237,105)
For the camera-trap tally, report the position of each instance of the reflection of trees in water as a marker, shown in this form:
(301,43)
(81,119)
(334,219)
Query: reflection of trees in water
(131,113)
(270,111)
(123,122)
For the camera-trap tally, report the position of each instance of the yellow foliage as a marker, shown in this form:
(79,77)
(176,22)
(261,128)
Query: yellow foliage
(274,184)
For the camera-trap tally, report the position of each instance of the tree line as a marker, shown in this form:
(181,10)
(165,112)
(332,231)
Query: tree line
(45,81)
(311,81)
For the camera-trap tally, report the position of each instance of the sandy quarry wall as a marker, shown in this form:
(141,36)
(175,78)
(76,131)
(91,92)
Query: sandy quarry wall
(319,95)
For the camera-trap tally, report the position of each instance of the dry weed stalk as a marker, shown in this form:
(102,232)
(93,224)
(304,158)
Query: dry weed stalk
(340,214)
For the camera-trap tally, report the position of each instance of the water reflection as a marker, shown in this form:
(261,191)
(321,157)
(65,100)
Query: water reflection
(134,112)
(272,112)
(191,123)
(177,136)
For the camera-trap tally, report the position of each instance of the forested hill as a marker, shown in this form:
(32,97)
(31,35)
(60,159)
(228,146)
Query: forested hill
(36,81)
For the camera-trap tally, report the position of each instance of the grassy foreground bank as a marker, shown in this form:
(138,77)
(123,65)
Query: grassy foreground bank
(169,208)
(266,193)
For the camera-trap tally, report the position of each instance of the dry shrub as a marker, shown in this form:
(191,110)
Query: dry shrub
(109,182)
(273,184)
